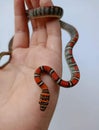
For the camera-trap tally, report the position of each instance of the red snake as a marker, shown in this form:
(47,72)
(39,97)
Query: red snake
(53,11)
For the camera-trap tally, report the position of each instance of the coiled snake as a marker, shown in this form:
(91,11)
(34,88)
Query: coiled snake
(53,11)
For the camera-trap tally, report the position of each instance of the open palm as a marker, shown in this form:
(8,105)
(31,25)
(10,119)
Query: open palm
(19,94)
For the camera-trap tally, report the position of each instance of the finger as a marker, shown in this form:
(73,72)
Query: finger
(39,28)
(21,38)
(46,3)
(41,25)
(54,41)
(28,3)
(53,30)
(31,4)
(41,32)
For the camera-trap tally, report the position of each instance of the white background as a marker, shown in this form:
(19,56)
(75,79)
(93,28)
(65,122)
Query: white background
(78,107)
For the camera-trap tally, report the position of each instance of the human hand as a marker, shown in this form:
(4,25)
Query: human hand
(19,94)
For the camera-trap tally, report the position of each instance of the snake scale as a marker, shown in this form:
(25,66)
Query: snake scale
(56,12)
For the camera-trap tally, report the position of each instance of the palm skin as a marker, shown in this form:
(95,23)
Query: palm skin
(19,94)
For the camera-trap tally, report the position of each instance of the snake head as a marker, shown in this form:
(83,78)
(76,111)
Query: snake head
(44,99)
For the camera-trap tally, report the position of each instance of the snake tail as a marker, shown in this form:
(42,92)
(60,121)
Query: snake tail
(45,95)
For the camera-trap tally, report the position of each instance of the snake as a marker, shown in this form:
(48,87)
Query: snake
(55,12)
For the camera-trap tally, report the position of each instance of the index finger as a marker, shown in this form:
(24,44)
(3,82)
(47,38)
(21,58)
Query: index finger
(21,38)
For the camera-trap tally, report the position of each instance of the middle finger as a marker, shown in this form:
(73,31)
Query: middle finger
(39,36)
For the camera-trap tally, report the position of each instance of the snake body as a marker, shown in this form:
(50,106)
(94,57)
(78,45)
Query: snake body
(57,12)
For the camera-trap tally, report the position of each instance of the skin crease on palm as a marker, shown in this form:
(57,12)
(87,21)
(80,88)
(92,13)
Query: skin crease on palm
(19,94)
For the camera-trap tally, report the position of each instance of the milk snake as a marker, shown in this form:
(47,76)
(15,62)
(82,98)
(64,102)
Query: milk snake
(57,12)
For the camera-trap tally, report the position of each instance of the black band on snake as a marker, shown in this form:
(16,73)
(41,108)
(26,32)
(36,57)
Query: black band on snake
(56,12)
